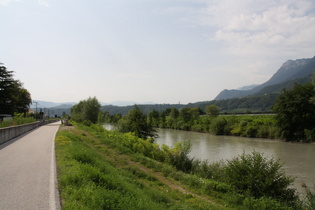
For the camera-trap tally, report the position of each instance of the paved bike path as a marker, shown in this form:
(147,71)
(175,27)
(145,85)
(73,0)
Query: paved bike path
(28,171)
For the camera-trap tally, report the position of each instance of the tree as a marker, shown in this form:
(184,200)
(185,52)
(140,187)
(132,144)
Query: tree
(86,110)
(154,118)
(195,113)
(135,121)
(91,109)
(295,112)
(174,113)
(173,118)
(22,99)
(217,126)
(185,114)
(212,110)
(13,97)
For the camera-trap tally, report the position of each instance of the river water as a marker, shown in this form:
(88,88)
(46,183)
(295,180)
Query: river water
(298,159)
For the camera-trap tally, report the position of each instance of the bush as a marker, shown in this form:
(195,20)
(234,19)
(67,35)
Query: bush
(178,156)
(263,132)
(253,174)
(208,170)
(263,203)
(217,126)
(251,131)
(309,135)
(309,201)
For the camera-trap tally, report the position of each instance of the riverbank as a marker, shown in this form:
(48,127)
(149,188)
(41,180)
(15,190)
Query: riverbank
(296,157)
(252,126)
(105,169)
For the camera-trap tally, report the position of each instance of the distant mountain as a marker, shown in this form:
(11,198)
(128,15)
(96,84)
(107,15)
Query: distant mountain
(125,103)
(289,71)
(277,88)
(122,103)
(248,87)
(48,104)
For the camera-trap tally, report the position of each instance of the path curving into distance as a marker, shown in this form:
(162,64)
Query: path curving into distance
(28,171)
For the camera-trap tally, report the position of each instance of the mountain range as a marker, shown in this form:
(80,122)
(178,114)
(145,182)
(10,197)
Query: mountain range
(290,72)
(48,104)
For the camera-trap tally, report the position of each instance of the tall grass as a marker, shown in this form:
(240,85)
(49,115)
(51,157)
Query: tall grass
(18,119)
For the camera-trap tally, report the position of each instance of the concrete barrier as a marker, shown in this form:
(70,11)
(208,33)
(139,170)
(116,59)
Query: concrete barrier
(6,134)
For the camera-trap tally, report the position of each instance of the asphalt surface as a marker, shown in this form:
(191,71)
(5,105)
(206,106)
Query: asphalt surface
(28,171)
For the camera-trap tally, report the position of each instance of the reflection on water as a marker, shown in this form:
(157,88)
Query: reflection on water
(298,159)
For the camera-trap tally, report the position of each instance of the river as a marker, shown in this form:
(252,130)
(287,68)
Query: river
(298,159)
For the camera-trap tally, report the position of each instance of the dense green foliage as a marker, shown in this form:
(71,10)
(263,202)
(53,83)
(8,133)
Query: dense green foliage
(254,174)
(261,126)
(135,122)
(296,113)
(310,199)
(86,110)
(87,178)
(18,119)
(13,97)
(212,110)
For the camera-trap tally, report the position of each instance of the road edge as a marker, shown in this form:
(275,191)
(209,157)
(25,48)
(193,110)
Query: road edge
(54,197)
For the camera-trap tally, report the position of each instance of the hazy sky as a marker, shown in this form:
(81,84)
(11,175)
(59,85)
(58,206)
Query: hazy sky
(163,51)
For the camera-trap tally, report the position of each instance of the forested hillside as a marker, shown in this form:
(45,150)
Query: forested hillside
(289,71)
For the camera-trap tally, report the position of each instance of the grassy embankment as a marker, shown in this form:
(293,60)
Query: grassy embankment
(99,169)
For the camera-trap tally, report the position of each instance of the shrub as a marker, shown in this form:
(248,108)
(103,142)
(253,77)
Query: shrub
(217,126)
(263,203)
(208,171)
(310,199)
(263,131)
(253,174)
(309,135)
(251,131)
(178,156)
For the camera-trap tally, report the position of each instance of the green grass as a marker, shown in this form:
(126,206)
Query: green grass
(90,179)
(99,169)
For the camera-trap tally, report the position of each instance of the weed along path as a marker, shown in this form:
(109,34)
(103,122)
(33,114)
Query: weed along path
(27,171)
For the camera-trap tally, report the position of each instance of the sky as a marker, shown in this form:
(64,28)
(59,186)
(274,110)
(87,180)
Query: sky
(160,51)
